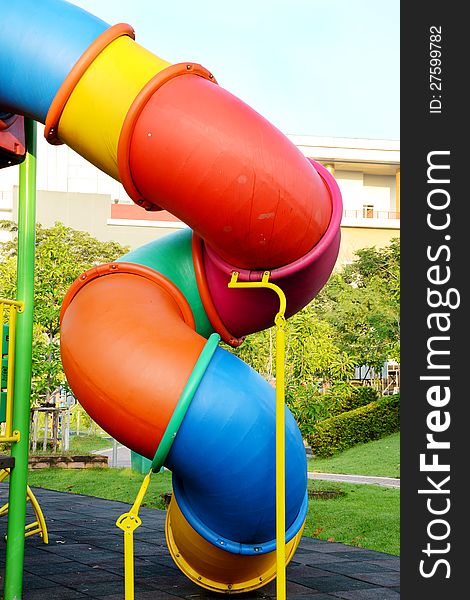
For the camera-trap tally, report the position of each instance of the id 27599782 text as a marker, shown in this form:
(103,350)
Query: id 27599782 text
(435,69)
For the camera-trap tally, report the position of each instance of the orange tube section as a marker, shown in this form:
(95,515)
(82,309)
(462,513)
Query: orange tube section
(149,359)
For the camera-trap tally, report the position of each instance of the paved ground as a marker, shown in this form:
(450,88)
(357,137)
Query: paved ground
(387,481)
(123,456)
(84,559)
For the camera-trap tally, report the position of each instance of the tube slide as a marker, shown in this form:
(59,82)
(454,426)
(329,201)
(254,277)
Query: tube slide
(139,336)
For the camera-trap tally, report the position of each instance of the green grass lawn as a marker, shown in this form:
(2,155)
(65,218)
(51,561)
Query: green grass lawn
(380,458)
(111,484)
(365,516)
(84,444)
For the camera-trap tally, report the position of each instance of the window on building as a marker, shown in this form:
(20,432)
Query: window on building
(368,211)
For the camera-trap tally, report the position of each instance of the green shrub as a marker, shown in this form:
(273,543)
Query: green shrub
(337,398)
(362,395)
(343,397)
(363,424)
(309,405)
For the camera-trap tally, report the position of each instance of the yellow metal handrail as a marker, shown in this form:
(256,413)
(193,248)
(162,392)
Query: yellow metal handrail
(13,307)
(280,323)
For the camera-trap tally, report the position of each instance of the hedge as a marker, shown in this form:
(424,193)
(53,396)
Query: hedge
(375,420)
(310,406)
(348,398)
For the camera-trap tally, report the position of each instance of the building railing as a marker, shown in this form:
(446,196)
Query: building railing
(369,213)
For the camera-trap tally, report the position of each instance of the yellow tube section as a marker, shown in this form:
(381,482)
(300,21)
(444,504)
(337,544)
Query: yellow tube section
(92,119)
(213,568)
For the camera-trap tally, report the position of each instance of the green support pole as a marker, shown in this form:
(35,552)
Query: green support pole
(22,391)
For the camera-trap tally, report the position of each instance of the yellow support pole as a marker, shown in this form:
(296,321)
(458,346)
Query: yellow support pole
(129,522)
(14,307)
(280,323)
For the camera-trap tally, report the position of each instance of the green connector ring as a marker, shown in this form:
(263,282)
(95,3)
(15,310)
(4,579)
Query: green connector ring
(185,400)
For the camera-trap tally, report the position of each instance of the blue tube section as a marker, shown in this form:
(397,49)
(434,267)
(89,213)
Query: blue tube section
(40,41)
(223,460)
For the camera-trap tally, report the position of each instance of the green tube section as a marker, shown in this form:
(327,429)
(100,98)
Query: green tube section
(24,343)
(172,256)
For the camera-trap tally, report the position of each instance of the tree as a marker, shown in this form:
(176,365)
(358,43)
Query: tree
(362,303)
(382,265)
(62,254)
(312,356)
(354,321)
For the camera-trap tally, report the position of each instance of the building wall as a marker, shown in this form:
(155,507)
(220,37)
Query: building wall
(359,189)
(355,238)
(384,189)
(90,213)
(5,212)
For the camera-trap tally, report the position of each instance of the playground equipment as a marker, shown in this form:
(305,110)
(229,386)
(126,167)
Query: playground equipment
(139,336)
(35,527)
(19,352)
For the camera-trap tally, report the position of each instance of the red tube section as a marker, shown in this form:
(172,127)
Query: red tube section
(204,155)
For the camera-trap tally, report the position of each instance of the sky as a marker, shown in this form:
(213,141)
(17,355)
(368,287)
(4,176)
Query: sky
(311,67)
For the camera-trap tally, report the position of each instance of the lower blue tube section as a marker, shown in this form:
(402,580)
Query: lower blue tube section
(223,460)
